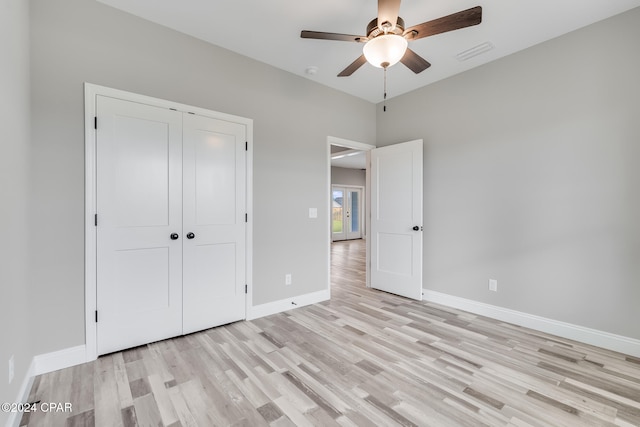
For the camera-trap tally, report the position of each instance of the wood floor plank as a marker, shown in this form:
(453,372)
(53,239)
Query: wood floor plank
(292,411)
(82,419)
(165,407)
(364,358)
(108,406)
(183,411)
(82,392)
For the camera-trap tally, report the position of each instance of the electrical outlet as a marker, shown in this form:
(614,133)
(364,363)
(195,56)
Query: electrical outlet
(287,279)
(493,285)
(11,369)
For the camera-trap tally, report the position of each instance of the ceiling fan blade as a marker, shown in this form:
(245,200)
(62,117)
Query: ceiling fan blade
(388,12)
(353,67)
(414,62)
(455,21)
(332,36)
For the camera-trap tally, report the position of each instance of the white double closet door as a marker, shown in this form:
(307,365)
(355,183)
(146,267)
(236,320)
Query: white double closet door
(171,203)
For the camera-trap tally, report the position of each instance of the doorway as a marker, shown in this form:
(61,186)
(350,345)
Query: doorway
(348,167)
(393,208)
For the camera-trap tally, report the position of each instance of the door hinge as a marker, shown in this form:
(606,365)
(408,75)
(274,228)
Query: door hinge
(246,289)
(246,217)
(95,122)
(96,316)
(95,220)
(246,146)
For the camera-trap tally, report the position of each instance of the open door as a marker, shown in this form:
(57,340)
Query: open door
(396,219)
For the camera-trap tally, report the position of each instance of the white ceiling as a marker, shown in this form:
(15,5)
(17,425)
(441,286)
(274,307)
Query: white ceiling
(350,159)
(269,31)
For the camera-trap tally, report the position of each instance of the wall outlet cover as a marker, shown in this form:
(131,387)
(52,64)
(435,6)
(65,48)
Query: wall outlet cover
(287,279)
(493,285)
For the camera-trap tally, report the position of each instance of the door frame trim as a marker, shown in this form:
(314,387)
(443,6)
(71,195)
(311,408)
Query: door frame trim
(91,91)
(332,140)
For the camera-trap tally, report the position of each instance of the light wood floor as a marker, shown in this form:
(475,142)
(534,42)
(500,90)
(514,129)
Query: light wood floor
(365,358)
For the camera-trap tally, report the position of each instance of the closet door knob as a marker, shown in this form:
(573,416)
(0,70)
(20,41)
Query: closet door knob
(174,236)
(190,236)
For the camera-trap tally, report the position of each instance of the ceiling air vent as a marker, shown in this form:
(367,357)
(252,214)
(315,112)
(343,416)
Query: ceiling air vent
(474,51)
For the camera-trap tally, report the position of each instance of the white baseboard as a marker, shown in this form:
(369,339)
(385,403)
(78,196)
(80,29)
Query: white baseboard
(275,307)
(49,362)
(43,364)
(23,395)
(595,337)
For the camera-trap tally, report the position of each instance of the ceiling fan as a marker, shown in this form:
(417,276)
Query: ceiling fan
(387,38)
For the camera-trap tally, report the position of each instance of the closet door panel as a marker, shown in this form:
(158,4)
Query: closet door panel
(215,178)
(214,212)
(139,205)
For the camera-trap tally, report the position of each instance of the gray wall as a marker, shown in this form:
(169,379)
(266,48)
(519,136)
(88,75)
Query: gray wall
(14,196)
(74,41)
(346,176)
(532,178)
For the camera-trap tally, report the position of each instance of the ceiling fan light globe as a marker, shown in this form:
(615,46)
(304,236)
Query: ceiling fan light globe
(385,50)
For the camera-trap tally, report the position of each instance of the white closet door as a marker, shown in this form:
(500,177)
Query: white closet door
(139,194)
(214,222)
(396,219)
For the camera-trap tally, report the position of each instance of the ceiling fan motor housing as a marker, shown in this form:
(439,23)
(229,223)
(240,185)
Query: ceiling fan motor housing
(374,30)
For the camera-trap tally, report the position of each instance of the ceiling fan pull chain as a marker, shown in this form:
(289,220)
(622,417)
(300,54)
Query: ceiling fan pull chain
(384,106)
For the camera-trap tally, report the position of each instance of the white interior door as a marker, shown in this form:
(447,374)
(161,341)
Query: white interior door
(396,219)
(139,205)
(214,222)
(346,213)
